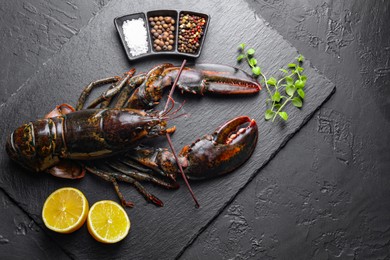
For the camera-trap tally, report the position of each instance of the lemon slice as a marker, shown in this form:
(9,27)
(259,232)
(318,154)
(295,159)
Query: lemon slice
(65,210)
(108,222)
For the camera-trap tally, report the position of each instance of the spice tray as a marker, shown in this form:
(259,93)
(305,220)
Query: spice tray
(168,32)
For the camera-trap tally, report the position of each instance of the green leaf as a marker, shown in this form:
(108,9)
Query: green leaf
(240,57)
(252,62)
(300,58)
(271,81)
(301,93)
(300,69)
(276,96)
(283,70)
(256,70)
(283,115)
(277,106)
(289,80)
(251,51)
(304,78)
(290,90)
(269,114)
(242,46)
(297,102)
(299,83)
(291,65)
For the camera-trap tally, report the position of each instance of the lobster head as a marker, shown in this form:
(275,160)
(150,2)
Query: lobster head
(221,152)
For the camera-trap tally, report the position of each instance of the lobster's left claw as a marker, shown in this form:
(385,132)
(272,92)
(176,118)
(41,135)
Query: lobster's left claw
(223,151)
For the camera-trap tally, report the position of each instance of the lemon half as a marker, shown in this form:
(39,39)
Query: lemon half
(108,222)
(65,210)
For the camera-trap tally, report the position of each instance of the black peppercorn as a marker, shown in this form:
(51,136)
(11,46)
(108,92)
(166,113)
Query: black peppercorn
(162,30)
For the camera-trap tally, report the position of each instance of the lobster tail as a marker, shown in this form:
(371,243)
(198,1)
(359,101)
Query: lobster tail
(35,145)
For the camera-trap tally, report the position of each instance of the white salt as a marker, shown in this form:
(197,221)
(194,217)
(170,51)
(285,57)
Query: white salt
(136,36)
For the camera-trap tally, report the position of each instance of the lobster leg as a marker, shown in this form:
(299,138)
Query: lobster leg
(114,176)
(140,176)
(135,165)
(87,90)
(159,160)
(111,92)
(133,83)
(107,177)
(141,189)
(106,103)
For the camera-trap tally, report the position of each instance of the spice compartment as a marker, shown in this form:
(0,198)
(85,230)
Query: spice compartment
(157,34)
(200,28)
(119,23)
(149,25)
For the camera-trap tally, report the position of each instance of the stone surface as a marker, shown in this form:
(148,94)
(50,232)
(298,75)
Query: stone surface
(32,31)
(21,237)
(96,52)
(325,195)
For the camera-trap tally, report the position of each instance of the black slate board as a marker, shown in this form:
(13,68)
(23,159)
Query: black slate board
(95,53)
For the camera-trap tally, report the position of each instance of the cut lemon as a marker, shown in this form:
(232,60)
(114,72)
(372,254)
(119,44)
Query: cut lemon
(65,210)
(108,222)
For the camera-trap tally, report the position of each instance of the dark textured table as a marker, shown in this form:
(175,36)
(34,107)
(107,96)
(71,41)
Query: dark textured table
(324,195)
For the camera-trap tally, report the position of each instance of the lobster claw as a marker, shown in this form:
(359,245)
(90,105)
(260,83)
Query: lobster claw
(225,150)
(219,79)
(198,79)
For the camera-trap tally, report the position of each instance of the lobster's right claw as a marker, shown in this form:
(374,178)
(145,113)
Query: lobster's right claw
(211,78)
(225,150)
(226,80)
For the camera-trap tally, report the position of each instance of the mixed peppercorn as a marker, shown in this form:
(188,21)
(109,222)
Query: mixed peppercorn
(190,33)
(162,29)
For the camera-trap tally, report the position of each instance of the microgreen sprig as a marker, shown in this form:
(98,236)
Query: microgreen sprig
(292,84)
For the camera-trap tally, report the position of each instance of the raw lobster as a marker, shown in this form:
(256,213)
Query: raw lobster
(67,142)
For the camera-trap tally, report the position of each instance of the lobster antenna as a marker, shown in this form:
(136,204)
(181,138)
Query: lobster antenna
(166,109)
(170,99)
(182,172)
(173,114)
